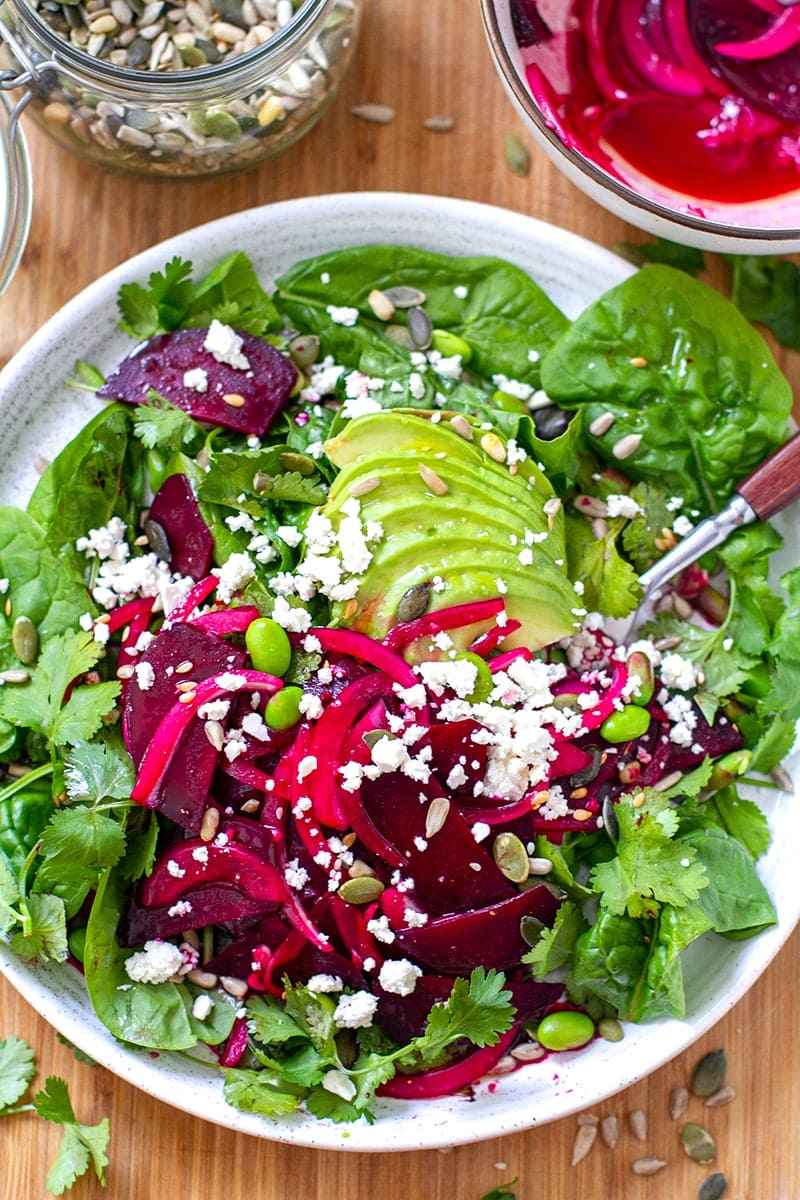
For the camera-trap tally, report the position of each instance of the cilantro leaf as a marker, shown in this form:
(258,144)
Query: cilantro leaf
(161,424)
(649,869)
(610,583)
(95,771)
(80,1055)
(161,305)
(44,929)
(554,947)
(479,1010)
(39,705)
(640,533)
(82,1146)
(9,896)
(324,1104)
(502,1192)
(17,1069)
(260,1092)
(79,841)
(270,1023)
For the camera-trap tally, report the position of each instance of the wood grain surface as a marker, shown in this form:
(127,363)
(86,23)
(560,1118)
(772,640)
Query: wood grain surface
(423,57)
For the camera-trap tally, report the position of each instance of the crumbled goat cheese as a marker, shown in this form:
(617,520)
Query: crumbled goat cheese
(196,379)
(381,930)
(289,534)
(202,1006)
(399,976)
(225,345)
(622,506)
(342,314)
(324,983)
(355,1011)
(522,391)
(682,526)
(157,962)
(234,575)
(677,672)
(296,620)
(460,292)
(145,675)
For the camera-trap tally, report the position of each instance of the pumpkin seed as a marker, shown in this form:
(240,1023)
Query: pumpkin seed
(511,857)
(609,1130)
(531,929)
(414,602)
(648,1166)
(518,160)
(580,778)
(713,1187)
(610,822)
(698,1143)
(364,889)
(437,814)
(420,328)
(722,1096)
(584,1140)
(610,1029)
(25,639)
(398,335)
(157,539)
(637,1122)
(261,481)
(297,462)
(405,297)
(678,1102)
(372,736)
(640,672)
(709,1074)
(304,350)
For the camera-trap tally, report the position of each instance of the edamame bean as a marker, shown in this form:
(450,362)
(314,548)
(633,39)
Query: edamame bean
(77,942)
(640,673)
(623,726)
(565,1030)
(448,344)
(283,709)
(268,646)
(508,403)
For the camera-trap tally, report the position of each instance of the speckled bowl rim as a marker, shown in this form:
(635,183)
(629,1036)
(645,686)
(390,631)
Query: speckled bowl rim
(573,271)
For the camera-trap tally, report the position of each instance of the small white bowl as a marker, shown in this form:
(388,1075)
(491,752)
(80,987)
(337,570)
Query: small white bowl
(767,227)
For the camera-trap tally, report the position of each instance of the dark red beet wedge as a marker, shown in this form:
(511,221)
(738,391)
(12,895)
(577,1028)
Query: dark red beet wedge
(175,512)
(248,400)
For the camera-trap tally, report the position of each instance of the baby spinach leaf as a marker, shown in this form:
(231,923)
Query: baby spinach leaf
(609,959)
(683,258)
(554,947)
(734,898)
(678,365)
(660,991)
(767,290)
(23,816)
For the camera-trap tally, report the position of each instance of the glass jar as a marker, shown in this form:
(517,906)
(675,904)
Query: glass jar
(195,121)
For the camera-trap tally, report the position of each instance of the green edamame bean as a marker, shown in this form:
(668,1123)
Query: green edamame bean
(448,344)
(483,680)
(283,709)
(565,1030)
(623,726)
(77,942)
(268,646)
(508,403)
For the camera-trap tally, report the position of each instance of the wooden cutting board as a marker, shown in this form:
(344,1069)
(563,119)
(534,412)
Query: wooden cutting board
(422,57)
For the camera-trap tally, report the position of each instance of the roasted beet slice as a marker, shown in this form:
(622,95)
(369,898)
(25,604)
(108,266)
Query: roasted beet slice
(453,748)
(175,513)
(529,26)
(193,862)
(451,871)
(484,937)
(247,398)
(184,791)
(404,1017)
(212,904)
(770,82)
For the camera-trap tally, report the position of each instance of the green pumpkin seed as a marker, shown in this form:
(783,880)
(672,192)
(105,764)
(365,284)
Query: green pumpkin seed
(157,539)
(531,929)
(364,889)
(405,297)
(25,639)
(713,1187)
(420,328)
(709,1074)
(610,822)
(517,158)
(297,462)
(372,736)
(511,857)
(399,335)
(304,350)
(222,125)
(261,481)
(640,672)
(414,602)
(698,1143)
(610,1029)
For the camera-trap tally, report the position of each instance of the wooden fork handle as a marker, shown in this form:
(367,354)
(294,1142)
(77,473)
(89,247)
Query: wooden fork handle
(776,483)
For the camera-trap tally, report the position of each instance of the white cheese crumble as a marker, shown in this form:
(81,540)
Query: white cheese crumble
(514,387)
(145,675)
(324,983)
(622,506)
(225,345)
(234,575)
(342,314)
(355,1011)
(678,672)
(196,379)
(399,976)
(157,962)
(202,1006)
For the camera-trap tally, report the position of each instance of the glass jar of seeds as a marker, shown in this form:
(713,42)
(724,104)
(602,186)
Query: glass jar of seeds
(184,88)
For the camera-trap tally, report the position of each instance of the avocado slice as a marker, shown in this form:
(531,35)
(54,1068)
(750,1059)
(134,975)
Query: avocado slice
(488,526)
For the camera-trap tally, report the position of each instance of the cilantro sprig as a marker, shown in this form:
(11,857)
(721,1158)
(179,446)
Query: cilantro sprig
(83,1147)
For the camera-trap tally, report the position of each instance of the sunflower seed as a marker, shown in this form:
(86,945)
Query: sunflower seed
(437,814)
(378,114)
(698,1143)
(439,123)
(584,1140)
(709,1074)
(648,1166)
(462,427)
(202,979)
(493,445)
(609,1130)
(414,602)
(722,1096)
(678,1102)
(637,1123)
(405,297)
(364,486)
(627,445)
(233,986)
(713,1187)
(517,158)
(24,639)
(433,481)
(602,424)
(380,304)
(15,675)
(588,1118)
(528,1052)
(420,328)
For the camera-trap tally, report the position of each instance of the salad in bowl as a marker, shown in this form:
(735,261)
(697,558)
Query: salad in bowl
(322,762)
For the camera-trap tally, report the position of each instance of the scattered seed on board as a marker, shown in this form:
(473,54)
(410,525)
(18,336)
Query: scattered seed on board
(439,123)
(678,1102)
(609,1130)
(721,1097)
(709,1074)
(698,1143)
(588,1118)
(637,1123)
(648,1166)
(584,1140)
(517,158)
(378,114)
(713,1187)
(626,446)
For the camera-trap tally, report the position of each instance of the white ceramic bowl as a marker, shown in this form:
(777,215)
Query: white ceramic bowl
(769,227)
(573,272)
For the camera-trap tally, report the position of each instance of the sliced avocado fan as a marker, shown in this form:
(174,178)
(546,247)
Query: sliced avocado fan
(461,511)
